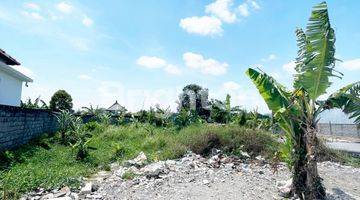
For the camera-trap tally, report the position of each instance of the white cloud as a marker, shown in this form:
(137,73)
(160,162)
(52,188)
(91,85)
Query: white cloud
(84,77)
(32,6)
(244,10)
(172,69)
(87,21)
(254,4)
(231,85)
(202,25)
(33,15)
(290,67)
(221,9)
(351,65)
(64,7)
(151,62)
(205,66)
(271,57)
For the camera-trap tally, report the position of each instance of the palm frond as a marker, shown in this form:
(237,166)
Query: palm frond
(347,99)
(274,94)
(316,61)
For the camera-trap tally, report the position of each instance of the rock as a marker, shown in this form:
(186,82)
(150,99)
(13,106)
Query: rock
(65,191)
(284,188)
(171,165)
(48,196)
(214,161)
(244,155)
(215,151)
(87,189)
(226,160)
(133,170)
(74,196)
(139,161)
(206,182)
(120,172)
(155,169)
(94,196)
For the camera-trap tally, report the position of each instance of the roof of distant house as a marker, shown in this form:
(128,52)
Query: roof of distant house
(7,60)
(116,107)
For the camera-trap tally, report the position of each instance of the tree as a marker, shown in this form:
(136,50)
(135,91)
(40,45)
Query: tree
(194,97)
(61,100)
(297,111)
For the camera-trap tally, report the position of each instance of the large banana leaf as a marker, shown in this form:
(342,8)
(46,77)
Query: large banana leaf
(274,94)
(347,99)
(316,59)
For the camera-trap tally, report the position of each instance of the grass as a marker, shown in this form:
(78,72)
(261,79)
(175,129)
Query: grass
(48,164)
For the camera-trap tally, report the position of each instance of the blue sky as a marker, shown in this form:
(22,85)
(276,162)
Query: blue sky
(142,52)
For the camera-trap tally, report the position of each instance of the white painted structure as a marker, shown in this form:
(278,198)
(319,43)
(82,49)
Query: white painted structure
(11,81)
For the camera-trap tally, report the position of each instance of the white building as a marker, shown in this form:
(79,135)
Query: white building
(11,81)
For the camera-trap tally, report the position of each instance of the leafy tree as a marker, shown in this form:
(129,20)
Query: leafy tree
(297,111)
(194,97)
(61,100)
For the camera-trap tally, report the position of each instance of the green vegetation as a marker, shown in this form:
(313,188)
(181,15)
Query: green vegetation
(49,163)
(297,111)
(61,100)
(34,105)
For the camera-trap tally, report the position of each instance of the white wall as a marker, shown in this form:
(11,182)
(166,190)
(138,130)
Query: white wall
(10,90)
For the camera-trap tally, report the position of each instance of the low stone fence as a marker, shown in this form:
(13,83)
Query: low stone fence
(346,130)
(19,125)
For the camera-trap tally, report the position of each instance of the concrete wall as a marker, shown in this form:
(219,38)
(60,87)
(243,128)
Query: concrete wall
(347,130)
(19,125)
(10,89)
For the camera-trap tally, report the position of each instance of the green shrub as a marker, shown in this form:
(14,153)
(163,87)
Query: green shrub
(229,138)
(93,127)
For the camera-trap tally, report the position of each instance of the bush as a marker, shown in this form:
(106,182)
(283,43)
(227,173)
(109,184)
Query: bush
(61,100)
(231,139)
(94,127)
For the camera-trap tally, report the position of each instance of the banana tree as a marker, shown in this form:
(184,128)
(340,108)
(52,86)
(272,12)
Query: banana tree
(297,111)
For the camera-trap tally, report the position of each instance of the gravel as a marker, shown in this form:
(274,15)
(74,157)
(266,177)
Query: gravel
(217,177)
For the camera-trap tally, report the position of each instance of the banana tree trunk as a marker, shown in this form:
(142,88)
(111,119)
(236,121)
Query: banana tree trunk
(314,187)
(306,180)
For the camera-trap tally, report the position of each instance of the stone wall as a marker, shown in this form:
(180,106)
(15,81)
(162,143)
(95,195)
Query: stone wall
(347,130)
(19,125)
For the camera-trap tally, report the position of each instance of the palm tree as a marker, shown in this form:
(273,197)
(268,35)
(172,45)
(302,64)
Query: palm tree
(297,112)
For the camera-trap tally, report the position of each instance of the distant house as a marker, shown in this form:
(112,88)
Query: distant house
(10,80)
(116,108)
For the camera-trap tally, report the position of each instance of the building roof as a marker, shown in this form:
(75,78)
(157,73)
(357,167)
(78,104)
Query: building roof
(116,107)
(5,61)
